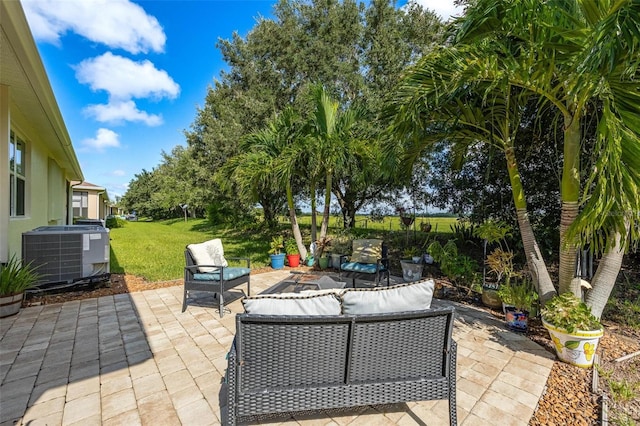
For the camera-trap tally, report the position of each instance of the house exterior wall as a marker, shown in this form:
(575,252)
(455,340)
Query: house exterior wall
(97,201)
(29,109)
(46,200)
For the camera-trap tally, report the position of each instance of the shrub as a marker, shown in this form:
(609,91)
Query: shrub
(115,222)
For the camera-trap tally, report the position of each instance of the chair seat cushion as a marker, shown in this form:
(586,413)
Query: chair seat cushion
(227,274)
(367,268)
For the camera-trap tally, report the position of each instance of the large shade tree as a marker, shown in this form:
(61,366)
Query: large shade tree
(580,60)
(355,50)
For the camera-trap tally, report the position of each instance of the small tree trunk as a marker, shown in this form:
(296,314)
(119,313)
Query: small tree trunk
(294,223)
(568,252)
(570,193)
(605,278)
(535,261)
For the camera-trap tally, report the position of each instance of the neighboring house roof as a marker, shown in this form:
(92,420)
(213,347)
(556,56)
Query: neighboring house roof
(22,70)
(91,187)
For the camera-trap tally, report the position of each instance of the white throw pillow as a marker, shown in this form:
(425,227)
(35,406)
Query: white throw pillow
(404,297)
(286,304)
(208,253)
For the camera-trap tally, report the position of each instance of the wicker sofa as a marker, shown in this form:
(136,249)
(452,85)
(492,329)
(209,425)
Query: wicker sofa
(281,364)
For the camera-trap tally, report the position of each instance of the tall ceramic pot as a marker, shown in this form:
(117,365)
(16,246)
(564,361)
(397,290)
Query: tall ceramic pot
(575,348)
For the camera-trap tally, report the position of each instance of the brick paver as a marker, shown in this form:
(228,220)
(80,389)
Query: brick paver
(136,359)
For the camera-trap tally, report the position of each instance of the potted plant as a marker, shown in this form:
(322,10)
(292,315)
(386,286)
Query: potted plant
(321,252)
(340,247)
(293,254)
(411,265)
(519,299)
(15,278)
(277,257)
(574,330)
(500,261)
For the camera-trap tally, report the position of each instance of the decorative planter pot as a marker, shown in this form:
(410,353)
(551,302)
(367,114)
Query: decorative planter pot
(516,320)
(10,305)
(428,259)
(293,260)
(490,296)
(575,348)
(416,259)
(310,260)
(323,262)
(411,271)
(335,260)
(277,261)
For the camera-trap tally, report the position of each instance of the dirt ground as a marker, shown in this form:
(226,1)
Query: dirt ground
(568,399)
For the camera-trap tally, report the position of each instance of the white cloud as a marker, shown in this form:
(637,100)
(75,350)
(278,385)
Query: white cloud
(118,173)
(114,23)
(116,112)
(124,79)
(105,138)
(444,8)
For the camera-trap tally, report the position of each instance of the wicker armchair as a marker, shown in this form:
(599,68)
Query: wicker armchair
(212,276)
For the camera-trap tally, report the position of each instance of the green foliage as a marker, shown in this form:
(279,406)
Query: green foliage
(492,231)
(624,390)
(522,295)
(458,268)
(290,246)
(115,222)
(500,262)
(464,231)
(276,245)
(568,312)
(15,277)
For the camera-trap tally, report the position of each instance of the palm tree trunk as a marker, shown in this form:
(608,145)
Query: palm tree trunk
(535,261)
(327,206)
(570,194)
(605,278)
(295,228)
(314,222)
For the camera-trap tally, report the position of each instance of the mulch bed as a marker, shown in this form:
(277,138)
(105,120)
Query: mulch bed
(568,399)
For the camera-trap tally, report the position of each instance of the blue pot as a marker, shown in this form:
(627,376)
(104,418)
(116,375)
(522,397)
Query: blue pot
(277,261)
(310,261)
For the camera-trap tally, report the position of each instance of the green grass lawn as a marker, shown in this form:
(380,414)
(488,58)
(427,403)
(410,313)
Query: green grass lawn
(155,250)
(389,223)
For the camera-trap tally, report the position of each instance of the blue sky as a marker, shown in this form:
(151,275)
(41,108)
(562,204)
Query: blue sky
(129,75)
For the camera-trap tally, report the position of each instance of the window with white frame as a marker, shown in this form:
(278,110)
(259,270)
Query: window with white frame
(80,204)
(17,175)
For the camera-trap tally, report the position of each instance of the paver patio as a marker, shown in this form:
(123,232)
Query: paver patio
(136,359)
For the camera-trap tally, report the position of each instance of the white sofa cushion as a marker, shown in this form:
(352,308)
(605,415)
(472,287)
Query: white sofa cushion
(208,253)
(414,296)
(292,304)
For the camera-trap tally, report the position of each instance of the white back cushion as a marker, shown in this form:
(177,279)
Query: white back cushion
(208,253)
(404,297)
(286,304)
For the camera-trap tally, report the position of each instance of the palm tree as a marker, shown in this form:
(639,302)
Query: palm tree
(330,131)
(270,160)
(569,54)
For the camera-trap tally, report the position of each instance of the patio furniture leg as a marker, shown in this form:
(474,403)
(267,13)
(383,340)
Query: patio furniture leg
(221,304)
(184,301)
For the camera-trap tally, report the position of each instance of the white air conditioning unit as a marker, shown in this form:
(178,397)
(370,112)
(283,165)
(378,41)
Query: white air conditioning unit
(67,254)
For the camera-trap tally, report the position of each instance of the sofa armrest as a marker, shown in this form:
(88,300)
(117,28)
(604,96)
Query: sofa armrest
(231,377)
